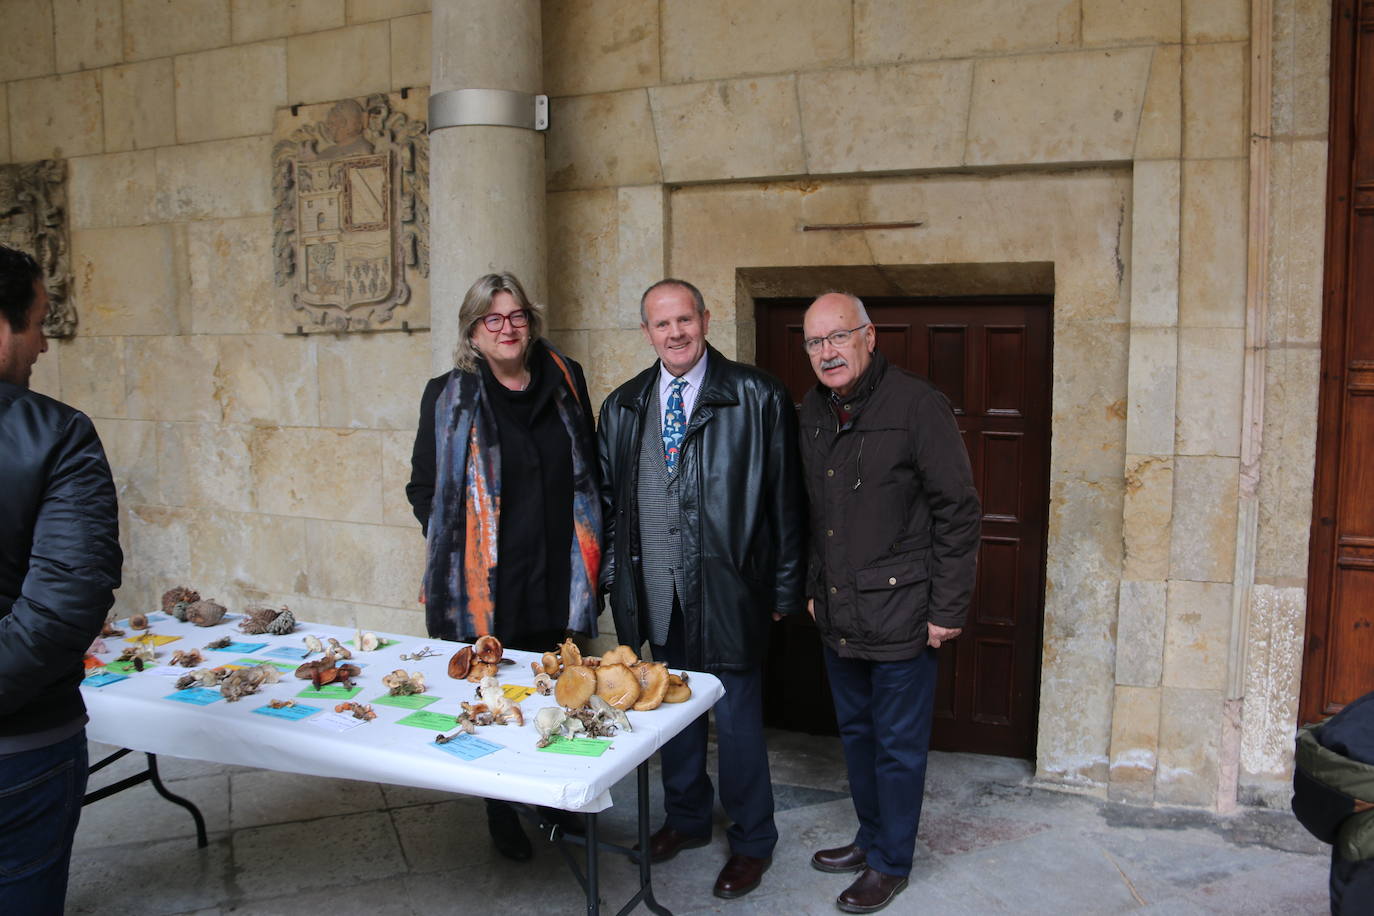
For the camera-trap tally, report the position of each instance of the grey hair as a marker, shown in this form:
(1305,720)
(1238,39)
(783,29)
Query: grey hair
(858,303)
(477,303)
(697,299)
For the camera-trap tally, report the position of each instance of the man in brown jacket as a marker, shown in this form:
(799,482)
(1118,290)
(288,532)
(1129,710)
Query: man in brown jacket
(895,528)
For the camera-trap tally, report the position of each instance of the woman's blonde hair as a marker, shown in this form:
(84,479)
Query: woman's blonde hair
(477,303)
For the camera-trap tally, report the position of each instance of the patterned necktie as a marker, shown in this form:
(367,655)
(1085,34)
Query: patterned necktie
(674,424)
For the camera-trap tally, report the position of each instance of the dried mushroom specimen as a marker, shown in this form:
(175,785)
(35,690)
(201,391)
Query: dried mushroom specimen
(176,600)
(570,654)
(620,655)
(678,691)
(401,684)
(653,685)
(283,624)
(205,613)
(575,687)
(256,618)
(617,685)
(187,658)
(359,710)
(460,664)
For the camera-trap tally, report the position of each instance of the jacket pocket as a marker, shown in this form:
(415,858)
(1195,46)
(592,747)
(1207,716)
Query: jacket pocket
(892,599)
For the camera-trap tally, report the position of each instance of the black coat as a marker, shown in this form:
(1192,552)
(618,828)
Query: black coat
(895,519)
(59,557)
(742,512)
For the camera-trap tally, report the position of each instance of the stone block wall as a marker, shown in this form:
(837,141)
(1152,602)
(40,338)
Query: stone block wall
(253,464)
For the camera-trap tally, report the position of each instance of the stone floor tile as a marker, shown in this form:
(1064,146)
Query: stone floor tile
(140,815)
(154,877)
(269,797)
(405,796)
(388,897)
(349,850)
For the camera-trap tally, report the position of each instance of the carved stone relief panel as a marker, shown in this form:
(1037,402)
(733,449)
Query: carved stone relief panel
(33,218)
(350,184)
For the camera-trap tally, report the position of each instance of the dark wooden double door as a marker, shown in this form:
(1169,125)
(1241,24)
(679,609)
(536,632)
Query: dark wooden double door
(1338,661)
(991,358)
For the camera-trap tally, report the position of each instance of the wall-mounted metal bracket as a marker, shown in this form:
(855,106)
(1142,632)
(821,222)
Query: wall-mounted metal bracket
(492,107)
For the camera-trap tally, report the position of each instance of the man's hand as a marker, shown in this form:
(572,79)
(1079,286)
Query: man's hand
(811,607)
(938,635)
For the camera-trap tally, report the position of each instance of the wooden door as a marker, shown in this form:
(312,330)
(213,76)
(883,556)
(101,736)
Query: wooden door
(1338,660)
(991,358)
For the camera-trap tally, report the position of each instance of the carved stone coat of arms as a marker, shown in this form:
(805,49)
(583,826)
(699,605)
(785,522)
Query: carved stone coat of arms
(351,213)
(33,218)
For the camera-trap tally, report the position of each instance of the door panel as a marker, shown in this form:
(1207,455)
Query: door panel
(991,357)
(1338,658)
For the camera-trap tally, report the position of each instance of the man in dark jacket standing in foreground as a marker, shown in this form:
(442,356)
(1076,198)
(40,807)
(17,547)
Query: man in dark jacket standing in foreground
(894,543)
(704,517)
(59,566)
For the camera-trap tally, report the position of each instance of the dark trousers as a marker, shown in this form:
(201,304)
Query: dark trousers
(884,710)
(746,789)
(40,804)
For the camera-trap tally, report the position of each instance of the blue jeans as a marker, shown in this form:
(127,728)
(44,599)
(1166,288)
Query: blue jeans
(885,711)
(40,805)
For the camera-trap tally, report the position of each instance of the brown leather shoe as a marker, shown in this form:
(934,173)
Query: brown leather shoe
(740,875)
(870,892)
(841,859)
(667,843)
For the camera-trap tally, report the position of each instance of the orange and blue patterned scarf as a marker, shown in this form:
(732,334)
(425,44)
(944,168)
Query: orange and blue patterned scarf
(460,572)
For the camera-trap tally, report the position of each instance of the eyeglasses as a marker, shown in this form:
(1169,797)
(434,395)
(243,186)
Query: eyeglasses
(495,321)
(836,338)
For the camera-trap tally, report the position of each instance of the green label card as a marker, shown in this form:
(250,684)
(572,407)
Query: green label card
(330,692)
(434,721)
(578,747)
(414,701)
(126,667)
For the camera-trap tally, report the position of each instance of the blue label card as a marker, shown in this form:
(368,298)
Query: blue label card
(241,647)
(299,711)
(104,679)
(200,696)
(468,747)
(288,652)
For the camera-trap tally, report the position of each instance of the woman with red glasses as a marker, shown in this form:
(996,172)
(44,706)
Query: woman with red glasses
(504,480)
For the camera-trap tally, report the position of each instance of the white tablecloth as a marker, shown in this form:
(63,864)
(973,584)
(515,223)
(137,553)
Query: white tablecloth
(135,713)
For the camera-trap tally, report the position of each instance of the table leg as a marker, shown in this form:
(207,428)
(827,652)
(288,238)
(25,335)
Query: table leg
(150,774)
(593,899)
(646,887)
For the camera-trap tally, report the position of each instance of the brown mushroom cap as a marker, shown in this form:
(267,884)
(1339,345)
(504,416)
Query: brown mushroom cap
(617,685)
(481,669)
(551,663)
(575,687)
(488,649)
(678,691)
(653,685)
(570,654)
(139,622)
(460,664)
(620,655)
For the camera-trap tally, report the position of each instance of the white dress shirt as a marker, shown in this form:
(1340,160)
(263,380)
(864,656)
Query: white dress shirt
(692,376)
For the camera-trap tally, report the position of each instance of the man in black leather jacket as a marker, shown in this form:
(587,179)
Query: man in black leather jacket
(704,525)
(59,565)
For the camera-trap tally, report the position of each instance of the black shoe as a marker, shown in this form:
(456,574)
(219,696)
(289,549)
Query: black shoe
(506,832)
(566,821)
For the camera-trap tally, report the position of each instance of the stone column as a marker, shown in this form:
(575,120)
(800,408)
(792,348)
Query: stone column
(486,183)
